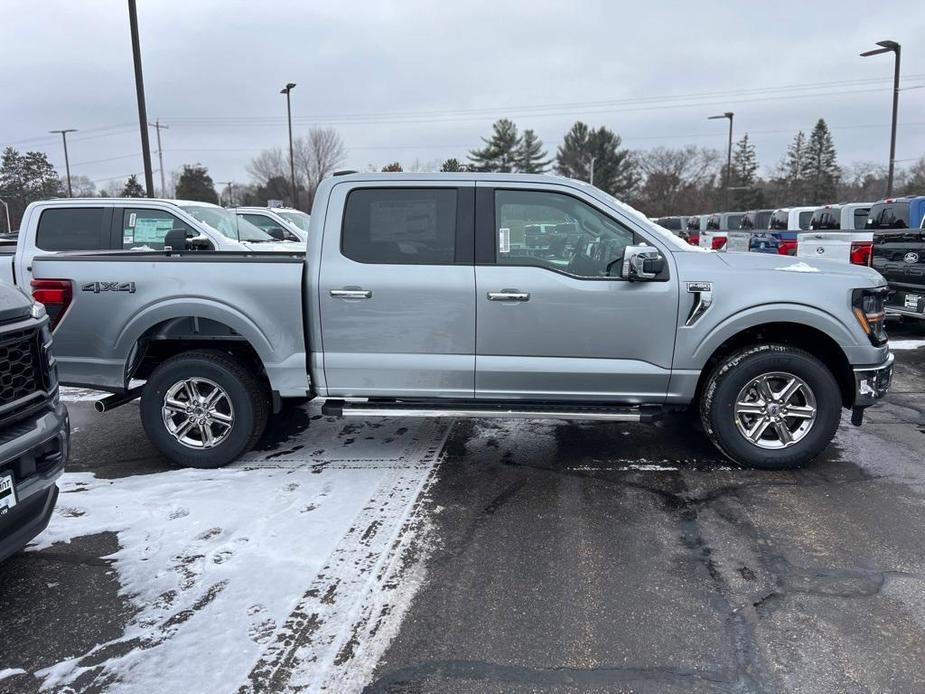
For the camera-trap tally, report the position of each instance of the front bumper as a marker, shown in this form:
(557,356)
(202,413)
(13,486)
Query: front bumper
(34,453)
(871,383)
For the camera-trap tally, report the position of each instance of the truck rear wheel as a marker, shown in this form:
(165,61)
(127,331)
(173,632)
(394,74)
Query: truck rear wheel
(203,409)
(772,407)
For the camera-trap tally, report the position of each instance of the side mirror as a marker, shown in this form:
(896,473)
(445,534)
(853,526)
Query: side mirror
(276,233)
(175,240)
(641,263)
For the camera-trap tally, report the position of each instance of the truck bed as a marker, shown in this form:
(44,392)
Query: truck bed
(124,301)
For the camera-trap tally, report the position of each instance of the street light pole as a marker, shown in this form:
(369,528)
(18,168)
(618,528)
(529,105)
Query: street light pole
(67,165)
(591,177)
(140,94)
(295,194)
(729,115)
(895,48)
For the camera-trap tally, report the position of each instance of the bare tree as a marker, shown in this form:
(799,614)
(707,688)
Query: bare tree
(677,181)
(268,164)
(317,156)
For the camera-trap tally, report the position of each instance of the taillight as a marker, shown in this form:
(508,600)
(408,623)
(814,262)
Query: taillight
(788,247)
(718,242)
(693,239)
(55,295)
(860,252)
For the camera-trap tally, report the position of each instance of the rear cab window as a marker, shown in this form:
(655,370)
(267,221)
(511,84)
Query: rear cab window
(804,218)
(145,229)
(72,229)
(826,218)
(889,215)
(403,226)
(779,220)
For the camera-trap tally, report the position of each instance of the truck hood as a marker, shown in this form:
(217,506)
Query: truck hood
(757,262)
(13,304)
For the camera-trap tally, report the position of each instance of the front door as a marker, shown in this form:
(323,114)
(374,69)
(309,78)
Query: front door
(397,290)
(553,322)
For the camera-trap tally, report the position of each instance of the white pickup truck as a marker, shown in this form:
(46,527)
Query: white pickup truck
(115,224)
(838,232)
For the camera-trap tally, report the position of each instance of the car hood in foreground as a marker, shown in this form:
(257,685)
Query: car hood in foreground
(757,262)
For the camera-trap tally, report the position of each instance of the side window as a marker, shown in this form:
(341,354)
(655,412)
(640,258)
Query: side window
(404,226)
(71,229)
(261,221)
(860,217)
(803,219)
(145,229)
(557,232)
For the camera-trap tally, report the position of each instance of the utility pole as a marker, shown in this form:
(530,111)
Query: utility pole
(895,48)
(230,185)
(295,193)
(140,93)
(9,227)
(160,153)
(591,177)
(729,115)
(67,166)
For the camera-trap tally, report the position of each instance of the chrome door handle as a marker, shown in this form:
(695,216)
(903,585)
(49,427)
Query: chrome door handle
(351,293)
(509,295)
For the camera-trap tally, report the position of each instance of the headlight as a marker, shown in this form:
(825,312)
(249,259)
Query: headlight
(867,306)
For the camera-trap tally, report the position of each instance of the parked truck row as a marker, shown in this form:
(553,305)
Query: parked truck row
(460,295)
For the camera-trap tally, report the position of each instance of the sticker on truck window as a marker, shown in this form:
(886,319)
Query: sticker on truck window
(151,230)
(504,240)
(131,220)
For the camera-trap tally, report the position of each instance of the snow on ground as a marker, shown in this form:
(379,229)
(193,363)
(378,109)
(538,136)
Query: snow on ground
(906,344)
(72,394)
(291,569)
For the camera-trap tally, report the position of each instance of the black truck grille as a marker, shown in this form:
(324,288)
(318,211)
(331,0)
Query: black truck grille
(22,378)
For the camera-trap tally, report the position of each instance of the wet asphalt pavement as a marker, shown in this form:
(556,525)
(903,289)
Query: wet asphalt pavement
(596,557)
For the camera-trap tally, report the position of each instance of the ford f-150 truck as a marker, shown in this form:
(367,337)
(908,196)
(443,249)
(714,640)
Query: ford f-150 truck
(899,253)
(424,295)
(33,423)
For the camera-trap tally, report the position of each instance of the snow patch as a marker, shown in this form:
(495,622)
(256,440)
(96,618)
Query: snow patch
(290,573)
(906,344)
(10,672)
(799,267)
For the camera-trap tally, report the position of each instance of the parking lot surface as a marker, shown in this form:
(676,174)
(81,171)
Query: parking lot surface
(514,556)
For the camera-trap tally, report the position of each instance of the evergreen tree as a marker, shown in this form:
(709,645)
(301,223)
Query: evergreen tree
(500,153)
(452,165)
(132,188)
(25,178)
(793,169)
(531,157)
(394,167)
(195,183)
(615,170)
(821,172)
(744,178)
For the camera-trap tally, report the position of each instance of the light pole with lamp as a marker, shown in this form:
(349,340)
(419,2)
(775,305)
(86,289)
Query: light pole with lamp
(890,47)
(295,195)
(729,115)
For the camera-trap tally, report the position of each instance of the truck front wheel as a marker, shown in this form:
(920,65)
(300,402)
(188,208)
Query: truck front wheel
(203,409)
(772,407)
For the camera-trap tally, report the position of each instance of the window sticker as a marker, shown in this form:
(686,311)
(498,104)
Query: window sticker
(131,220)
(152,230)
(504,240)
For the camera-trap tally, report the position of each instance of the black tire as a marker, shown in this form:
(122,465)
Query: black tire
(717,405)
(247,394)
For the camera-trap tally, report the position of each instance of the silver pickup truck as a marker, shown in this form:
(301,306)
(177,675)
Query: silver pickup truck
(474,295)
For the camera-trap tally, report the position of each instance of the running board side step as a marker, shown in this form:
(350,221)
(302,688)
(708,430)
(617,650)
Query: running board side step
(641,413)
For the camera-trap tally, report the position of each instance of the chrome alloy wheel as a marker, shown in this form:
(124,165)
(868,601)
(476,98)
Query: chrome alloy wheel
(775,410)
(198,413)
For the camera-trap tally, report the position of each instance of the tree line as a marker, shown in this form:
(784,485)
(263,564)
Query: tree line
(659,181)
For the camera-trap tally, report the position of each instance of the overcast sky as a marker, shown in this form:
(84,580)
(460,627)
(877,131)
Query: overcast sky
(413,80)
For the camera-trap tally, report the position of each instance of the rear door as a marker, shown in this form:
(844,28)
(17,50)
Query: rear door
(552,323)
(397,290)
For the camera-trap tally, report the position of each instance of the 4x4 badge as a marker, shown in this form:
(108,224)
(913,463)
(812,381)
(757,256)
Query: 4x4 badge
(97,287)
(911,258)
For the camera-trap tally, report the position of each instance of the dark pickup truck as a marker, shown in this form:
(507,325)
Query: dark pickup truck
(899,253)
(34,427)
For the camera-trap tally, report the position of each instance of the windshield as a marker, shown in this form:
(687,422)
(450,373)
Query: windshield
(670,223)
(666,236)
(227,223)
(300,219)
